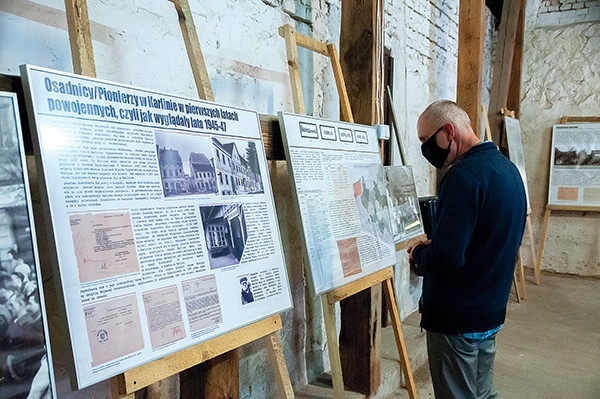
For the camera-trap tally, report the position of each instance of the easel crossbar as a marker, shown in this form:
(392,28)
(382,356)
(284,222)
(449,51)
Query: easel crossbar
(149,373)
(337,294)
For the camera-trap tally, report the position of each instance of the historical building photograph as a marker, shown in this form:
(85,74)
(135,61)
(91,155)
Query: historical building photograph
(186,164)
(238,169)
(225,232)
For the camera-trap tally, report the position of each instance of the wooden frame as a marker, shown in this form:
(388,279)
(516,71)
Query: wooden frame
(152,372)
(127,383)
(550,208)
(329,299)
(294,39)
(385,276)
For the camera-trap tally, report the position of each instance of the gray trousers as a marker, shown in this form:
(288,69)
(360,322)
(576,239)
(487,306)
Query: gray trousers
(461,368)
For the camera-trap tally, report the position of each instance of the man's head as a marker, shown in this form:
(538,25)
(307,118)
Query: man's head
(245,283)
(445,132)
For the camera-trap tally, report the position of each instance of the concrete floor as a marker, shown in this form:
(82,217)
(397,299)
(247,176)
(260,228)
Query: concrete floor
(549,347)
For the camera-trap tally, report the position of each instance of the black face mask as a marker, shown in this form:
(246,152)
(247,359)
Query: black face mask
(433,153)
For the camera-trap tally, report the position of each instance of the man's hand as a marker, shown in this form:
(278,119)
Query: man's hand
(413,266)
(410,249)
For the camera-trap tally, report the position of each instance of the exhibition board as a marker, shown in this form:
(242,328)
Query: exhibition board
(341,193)
(404,203)
(25,356)
(575,165)
(162,218)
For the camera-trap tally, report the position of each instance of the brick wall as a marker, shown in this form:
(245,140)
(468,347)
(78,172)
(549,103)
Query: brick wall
(566,12)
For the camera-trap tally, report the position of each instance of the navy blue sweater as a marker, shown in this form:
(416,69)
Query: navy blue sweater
(469,265)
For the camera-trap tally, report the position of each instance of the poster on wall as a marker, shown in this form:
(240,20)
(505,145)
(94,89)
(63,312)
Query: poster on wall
(341,191)
(404,204)
(575,165)
(162,217)
(25,359)
(512,127)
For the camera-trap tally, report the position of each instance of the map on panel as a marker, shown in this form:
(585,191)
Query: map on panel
(341,192)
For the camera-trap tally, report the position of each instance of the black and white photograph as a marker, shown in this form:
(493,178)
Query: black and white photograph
(186,164)
(24,344)
(246,290)
(225,232)
(237,166)
(406,214)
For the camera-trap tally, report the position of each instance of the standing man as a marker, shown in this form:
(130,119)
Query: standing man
(468,264)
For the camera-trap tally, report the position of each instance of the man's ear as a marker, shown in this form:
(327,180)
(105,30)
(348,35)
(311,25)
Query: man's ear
(450,131)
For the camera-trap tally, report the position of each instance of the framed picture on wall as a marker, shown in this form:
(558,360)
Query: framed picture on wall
(25,361)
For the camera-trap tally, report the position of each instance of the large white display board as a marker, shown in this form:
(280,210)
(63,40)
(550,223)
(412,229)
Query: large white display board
(341,192)
(575,165)
(163,218)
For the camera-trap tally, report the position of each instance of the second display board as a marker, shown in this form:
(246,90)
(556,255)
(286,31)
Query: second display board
(341,192)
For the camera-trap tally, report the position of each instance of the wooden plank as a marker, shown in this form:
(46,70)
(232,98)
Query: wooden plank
(388,289)
(543,236)
(471,36)
(80,37)
(333,347)
(361,61)
(340,293)
(513,100)
(215,378)
(361,57)
(576,208)
(516,284)
(310,44)
(503,64)
(580,119)
(194,51)
(272,140)
(291,48)
(536,267)
(521,272)
(149,373)
(345,109)
(282,376)
(409,243)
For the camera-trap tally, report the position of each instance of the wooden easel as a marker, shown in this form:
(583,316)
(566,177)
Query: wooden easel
(385,276)
(519,266)
(550,208)
(125,385)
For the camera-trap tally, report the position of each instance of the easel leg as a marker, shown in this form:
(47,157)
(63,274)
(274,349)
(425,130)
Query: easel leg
(395,316)
(540,253)
(278,363)
(333,347)
(521,273)
(516,286)
(536,269)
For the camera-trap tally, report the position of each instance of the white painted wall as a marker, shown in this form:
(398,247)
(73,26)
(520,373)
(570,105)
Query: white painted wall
(139,42)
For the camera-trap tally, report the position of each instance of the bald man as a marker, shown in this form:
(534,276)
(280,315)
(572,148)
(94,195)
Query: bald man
(468,264)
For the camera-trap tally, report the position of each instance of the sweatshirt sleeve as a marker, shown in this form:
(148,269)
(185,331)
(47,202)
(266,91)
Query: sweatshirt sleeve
(458,206)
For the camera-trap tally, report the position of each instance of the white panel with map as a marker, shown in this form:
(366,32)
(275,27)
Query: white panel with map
(341,192)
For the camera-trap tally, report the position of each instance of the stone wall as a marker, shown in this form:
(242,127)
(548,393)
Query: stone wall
(139,43)
(560,77)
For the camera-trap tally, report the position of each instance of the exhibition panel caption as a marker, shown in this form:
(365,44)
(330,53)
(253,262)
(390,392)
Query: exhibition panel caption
(341,192)
(163,218)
